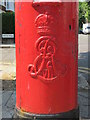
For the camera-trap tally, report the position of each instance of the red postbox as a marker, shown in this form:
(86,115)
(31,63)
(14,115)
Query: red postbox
(46,59)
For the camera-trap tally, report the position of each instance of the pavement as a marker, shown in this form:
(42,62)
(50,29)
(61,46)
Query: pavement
(8,77)
(84,76)
(7,62)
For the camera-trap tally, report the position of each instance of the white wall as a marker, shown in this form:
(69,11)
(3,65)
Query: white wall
(2,2)
(10,5)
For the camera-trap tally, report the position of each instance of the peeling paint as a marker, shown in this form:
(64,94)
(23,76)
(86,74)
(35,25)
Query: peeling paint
(20,5)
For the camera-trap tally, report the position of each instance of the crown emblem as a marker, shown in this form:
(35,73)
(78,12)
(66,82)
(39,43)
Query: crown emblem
(44,24)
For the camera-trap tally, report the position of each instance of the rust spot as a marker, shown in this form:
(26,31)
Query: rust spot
(69,27)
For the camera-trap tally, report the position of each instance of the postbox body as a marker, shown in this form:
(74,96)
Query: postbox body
(46,56)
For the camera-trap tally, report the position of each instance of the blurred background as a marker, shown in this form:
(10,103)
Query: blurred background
(8,59)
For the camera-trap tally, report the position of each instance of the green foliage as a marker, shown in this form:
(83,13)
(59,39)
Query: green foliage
(84,13)
(8,23)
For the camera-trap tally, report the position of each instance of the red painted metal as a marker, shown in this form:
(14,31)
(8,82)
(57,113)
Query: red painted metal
(46,57)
